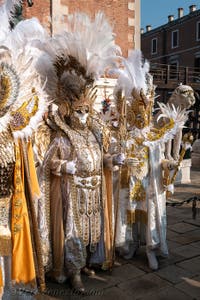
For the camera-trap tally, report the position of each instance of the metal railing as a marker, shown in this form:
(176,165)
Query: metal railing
(170,75)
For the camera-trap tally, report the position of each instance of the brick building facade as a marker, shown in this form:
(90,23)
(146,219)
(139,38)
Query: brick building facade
(124,15)
(175,43)
(173,50)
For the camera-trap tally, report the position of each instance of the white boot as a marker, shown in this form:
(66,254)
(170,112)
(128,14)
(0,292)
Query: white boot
(133,247)
(153,263)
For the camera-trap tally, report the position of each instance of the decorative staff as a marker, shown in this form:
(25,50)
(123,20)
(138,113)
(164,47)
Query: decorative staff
(186,144)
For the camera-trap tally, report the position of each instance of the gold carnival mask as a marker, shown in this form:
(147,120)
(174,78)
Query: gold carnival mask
(140,112)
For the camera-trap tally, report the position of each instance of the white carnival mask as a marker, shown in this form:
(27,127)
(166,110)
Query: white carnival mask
(82,114)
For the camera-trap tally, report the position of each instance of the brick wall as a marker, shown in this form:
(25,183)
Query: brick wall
(40,9)
(124,15)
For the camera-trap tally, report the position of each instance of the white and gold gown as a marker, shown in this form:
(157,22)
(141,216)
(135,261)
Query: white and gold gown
(76,202)
(143,191)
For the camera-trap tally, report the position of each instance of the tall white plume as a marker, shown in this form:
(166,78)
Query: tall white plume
(133,74)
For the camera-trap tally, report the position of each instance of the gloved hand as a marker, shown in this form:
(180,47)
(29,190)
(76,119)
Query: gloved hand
(169,188)
(71,167)
(132,161)
(119,159)
(169,164)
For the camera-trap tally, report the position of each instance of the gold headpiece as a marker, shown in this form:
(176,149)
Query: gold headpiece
(87,98)
(140,112)
(75,87)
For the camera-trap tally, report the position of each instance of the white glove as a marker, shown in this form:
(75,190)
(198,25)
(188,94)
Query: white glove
(169,164)
(71,167)
(132,161)
(119,159)
(170,188)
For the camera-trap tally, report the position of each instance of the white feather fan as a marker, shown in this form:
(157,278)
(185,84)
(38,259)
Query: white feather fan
(17,51)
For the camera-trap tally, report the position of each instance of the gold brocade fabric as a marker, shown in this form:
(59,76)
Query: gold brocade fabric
(124,177)
(20,228)
(136,216)
(138,192)
(5,234)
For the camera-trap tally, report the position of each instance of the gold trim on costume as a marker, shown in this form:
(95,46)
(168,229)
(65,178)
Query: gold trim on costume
(138,192)
(20,228)
(157,133)
(21,117)
(136,216)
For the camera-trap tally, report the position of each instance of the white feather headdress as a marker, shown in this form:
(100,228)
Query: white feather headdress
(7,10)
(17,64)
(134,74)
(75,58)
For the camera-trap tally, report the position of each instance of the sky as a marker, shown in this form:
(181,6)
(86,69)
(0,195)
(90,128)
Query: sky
(156,12)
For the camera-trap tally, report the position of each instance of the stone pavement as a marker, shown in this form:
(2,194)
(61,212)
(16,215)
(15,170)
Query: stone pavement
(178,276)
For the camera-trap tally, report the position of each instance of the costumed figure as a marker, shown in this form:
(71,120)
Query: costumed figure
(72,175)
(142,198)
(21,109)
(184,97)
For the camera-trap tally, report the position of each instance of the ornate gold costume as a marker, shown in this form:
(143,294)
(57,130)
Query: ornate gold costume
(142,213)
(73,169)
(20,110)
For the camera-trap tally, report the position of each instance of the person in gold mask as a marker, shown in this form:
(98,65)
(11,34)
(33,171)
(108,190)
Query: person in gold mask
(73,176)
(142,213)
(20,111)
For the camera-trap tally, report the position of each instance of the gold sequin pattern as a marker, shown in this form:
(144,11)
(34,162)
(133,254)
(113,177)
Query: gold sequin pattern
(138,192)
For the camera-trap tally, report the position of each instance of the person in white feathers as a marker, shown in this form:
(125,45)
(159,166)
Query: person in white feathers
(141,216)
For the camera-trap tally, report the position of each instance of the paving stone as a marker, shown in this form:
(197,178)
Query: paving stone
(126,272)
(191,287)
(100,281)
(173,211)
(192,265)
(186,238)
(194,221)
(172,235)
(173,258)
(191,218)
(195,244)
(173,274)
(57,291)
(111,293)
(182,227)
(143,286)
(169,293)
(173,220)
(172,245)
(186,251)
